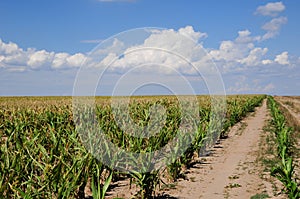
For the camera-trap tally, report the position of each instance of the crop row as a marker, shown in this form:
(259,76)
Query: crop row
(42,155)
(284,170)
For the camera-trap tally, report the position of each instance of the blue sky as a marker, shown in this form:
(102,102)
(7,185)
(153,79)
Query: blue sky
(254,43)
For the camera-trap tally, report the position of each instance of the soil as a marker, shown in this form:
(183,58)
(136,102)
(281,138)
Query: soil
(292,104)
(234,168)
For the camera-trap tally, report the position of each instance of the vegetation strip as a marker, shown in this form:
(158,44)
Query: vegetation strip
(284,171)
(41,155)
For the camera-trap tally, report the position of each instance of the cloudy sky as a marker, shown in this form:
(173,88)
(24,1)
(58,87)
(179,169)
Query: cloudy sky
(253,45)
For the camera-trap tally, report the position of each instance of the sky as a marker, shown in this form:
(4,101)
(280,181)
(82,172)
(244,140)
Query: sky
(250,46)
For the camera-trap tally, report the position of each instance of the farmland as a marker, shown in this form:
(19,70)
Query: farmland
(43,155)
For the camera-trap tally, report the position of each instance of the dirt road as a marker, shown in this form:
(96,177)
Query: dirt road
(233,170)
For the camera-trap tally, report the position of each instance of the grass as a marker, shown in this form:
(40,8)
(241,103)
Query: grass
(234,177)
(260,196)
(233,185)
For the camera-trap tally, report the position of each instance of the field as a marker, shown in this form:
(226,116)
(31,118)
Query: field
(43,155)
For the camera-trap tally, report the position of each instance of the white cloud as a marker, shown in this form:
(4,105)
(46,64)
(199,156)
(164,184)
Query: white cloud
(9,48)
(270,9)
(234,54)
(40,58)
(266,61)
(75,60)
(19,58)
(189,32)
(11,54)
(244,36)
(108,59)
(272,27)
(254,57)
(162,48)
(274,24)
(60,60)
(242,52)
(64,60)
(116,46)
(13,58)
(282,58)
(229,51)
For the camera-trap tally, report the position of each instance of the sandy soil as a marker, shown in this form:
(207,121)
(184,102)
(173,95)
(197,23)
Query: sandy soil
(234,169)
(292,104)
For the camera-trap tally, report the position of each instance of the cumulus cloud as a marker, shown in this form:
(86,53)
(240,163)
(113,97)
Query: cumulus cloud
(232,55)
(244,36)
(229,51)
(272,27)
(167,47)
(60,60)
(270,9)
(240,52)
(66,60)
(75,60)
(12,55)
(189,31)
(116,46)
(13,58)
(266,61)
(8,48)
(282,58)
(254,57)
(40,58)
(163,47)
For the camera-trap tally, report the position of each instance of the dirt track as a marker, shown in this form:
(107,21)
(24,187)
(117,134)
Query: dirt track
(233,170)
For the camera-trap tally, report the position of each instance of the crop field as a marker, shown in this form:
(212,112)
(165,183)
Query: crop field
(42,154)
